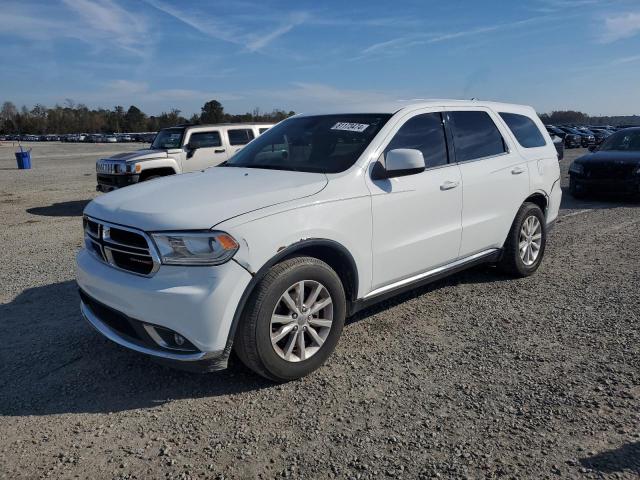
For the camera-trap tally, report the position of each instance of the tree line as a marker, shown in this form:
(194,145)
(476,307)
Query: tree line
(78,118)
(579,118)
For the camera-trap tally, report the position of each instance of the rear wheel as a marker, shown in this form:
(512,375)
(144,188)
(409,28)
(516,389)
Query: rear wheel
(524,248)
(293,320)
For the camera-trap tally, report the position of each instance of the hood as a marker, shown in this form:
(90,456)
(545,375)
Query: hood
(610,156)
(200,200)
(144,154)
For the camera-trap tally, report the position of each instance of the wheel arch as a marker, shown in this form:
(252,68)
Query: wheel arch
(161,171)
(539,198)
(336,255)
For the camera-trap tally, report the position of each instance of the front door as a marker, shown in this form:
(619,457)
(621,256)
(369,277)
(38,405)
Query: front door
(416,218)
(204,149)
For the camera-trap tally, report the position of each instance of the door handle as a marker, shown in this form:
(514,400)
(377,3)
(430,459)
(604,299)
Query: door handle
(448,185)
(219,150)
(517,171)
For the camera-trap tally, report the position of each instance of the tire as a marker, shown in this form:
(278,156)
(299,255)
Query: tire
(253,340)
(573,189)
(513,262)
(151,177)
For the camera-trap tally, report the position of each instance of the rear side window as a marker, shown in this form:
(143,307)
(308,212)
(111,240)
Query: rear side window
(240,136)
(524,129)
(205,139)
(475,136)
(425,133)
(262,130)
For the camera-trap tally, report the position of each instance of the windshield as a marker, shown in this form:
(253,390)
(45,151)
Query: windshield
(625,141)
(168,138)
(323,143)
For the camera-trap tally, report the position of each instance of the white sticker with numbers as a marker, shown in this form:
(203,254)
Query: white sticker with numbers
(350,127)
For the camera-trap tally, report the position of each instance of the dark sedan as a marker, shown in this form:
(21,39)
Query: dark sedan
(586,139)
(613,167)
(570,140)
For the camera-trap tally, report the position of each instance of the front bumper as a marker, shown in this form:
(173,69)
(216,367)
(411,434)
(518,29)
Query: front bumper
(198,303)
(107,183)
(584,184)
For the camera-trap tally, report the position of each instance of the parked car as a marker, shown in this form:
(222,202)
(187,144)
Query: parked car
(570,140)
(110,139)
(613,167)
(320,216)
(601,134)
(181,149)
(586,139)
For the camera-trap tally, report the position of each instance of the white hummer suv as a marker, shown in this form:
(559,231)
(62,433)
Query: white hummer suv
(180,149)
(316,218)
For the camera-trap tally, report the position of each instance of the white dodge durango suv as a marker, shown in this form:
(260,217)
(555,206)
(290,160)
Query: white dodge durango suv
(268,253)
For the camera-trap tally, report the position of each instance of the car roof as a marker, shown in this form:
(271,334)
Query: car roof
(396,106)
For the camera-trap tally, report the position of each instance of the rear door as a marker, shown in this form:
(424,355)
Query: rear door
(238,137)
(495,177)
(204,149)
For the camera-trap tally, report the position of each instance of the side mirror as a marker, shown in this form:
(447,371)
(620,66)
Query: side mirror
(403,161)
(191,149)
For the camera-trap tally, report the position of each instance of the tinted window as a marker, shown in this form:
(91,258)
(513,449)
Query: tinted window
(425,133)
(168,138)
(626,141)
(322,143)
(524,129)
(262,130)
(205,139)
(475,136)
(240,136)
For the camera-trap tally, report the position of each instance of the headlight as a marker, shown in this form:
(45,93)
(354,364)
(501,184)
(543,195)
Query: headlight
(195,248)
(576,168)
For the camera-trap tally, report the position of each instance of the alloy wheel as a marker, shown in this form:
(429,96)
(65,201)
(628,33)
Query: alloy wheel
(301,321)
(530,240)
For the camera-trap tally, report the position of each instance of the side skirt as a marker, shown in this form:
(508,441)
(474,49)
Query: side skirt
(422,279)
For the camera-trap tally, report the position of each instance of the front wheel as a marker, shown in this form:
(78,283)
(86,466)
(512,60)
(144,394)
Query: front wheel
(293,320)
(524,248)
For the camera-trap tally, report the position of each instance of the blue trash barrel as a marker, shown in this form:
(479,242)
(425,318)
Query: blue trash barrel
(24,160)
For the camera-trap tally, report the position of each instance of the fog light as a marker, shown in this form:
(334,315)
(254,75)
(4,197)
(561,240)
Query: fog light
(179,339)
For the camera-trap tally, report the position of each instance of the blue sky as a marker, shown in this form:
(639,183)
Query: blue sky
(309,55)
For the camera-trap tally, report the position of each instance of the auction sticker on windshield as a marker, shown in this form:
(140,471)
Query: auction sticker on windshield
(350,127)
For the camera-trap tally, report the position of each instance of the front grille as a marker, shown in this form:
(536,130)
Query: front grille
(108,167)
(121,247)
(609,171)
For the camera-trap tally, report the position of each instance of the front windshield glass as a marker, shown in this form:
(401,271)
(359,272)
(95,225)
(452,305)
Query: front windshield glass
(168,138)
(323,143)
(624,141)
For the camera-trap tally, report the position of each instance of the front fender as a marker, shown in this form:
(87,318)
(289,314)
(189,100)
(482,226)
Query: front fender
(345,222)
(159,163)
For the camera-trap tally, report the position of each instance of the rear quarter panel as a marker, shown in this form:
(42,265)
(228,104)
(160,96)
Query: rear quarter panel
(544,167)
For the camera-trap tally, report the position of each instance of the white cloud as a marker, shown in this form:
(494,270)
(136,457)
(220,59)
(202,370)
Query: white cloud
(100,23)
(625,60)
(119,90)
(618,27)
(317,97)
(397,45)
(222,28)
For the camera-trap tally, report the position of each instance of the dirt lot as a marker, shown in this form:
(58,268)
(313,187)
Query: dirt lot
(476,376)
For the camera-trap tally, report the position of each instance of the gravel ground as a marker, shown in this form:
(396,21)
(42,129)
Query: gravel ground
(475,376)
